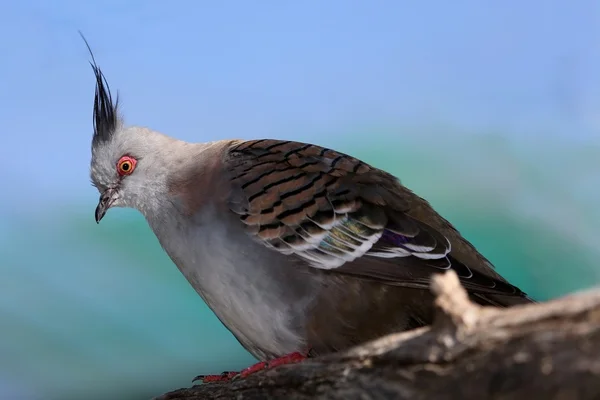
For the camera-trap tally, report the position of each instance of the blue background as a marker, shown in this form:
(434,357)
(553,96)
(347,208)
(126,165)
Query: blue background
(490,110)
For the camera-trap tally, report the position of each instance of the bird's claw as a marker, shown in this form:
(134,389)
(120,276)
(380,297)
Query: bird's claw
(224,377)
(229,376)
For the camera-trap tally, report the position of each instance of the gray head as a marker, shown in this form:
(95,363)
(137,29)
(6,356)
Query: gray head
(128,163)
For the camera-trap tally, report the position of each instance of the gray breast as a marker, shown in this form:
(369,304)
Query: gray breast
(260,295)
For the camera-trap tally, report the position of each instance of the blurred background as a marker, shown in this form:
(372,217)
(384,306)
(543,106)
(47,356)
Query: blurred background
(490,110)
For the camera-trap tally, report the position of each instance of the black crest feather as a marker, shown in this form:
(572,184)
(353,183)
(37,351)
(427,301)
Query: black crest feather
(106,116)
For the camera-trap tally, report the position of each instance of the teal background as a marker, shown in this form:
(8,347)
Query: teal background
(488,110)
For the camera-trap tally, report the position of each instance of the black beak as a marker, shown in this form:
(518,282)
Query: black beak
(106,200)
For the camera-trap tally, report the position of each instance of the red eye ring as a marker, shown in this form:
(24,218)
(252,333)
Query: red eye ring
(126,165)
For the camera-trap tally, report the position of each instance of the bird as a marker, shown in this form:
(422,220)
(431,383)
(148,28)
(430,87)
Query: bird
(299,250)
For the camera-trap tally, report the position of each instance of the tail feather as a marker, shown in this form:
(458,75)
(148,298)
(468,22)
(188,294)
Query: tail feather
(498,300)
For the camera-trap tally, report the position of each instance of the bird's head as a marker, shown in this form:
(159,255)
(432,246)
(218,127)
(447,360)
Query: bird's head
(128,163)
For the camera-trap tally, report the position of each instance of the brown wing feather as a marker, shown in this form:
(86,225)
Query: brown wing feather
(336,212)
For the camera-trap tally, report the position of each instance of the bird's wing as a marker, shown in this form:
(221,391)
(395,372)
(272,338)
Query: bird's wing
(339,213)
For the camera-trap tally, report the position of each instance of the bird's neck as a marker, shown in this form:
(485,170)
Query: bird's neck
(193,180)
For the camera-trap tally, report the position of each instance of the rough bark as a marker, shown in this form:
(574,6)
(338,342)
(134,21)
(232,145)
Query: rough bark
(541,351)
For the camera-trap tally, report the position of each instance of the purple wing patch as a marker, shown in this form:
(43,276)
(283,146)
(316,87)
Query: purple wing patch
(394,238)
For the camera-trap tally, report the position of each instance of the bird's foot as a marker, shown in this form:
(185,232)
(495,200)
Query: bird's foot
(260,366)
(224,377)
(291,358)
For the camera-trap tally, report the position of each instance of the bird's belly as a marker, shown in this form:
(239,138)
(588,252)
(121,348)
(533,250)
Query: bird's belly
(266,329)
(257,293)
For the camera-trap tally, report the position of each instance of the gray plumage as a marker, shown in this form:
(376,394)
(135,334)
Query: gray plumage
(292,245)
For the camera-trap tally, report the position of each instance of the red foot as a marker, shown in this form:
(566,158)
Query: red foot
(224,377)
(228,376)
(287,359)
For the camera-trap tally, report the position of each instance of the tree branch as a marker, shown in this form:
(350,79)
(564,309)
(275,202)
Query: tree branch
(540,351)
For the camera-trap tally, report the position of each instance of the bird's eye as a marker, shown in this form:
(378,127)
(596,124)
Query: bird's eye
(126,165)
